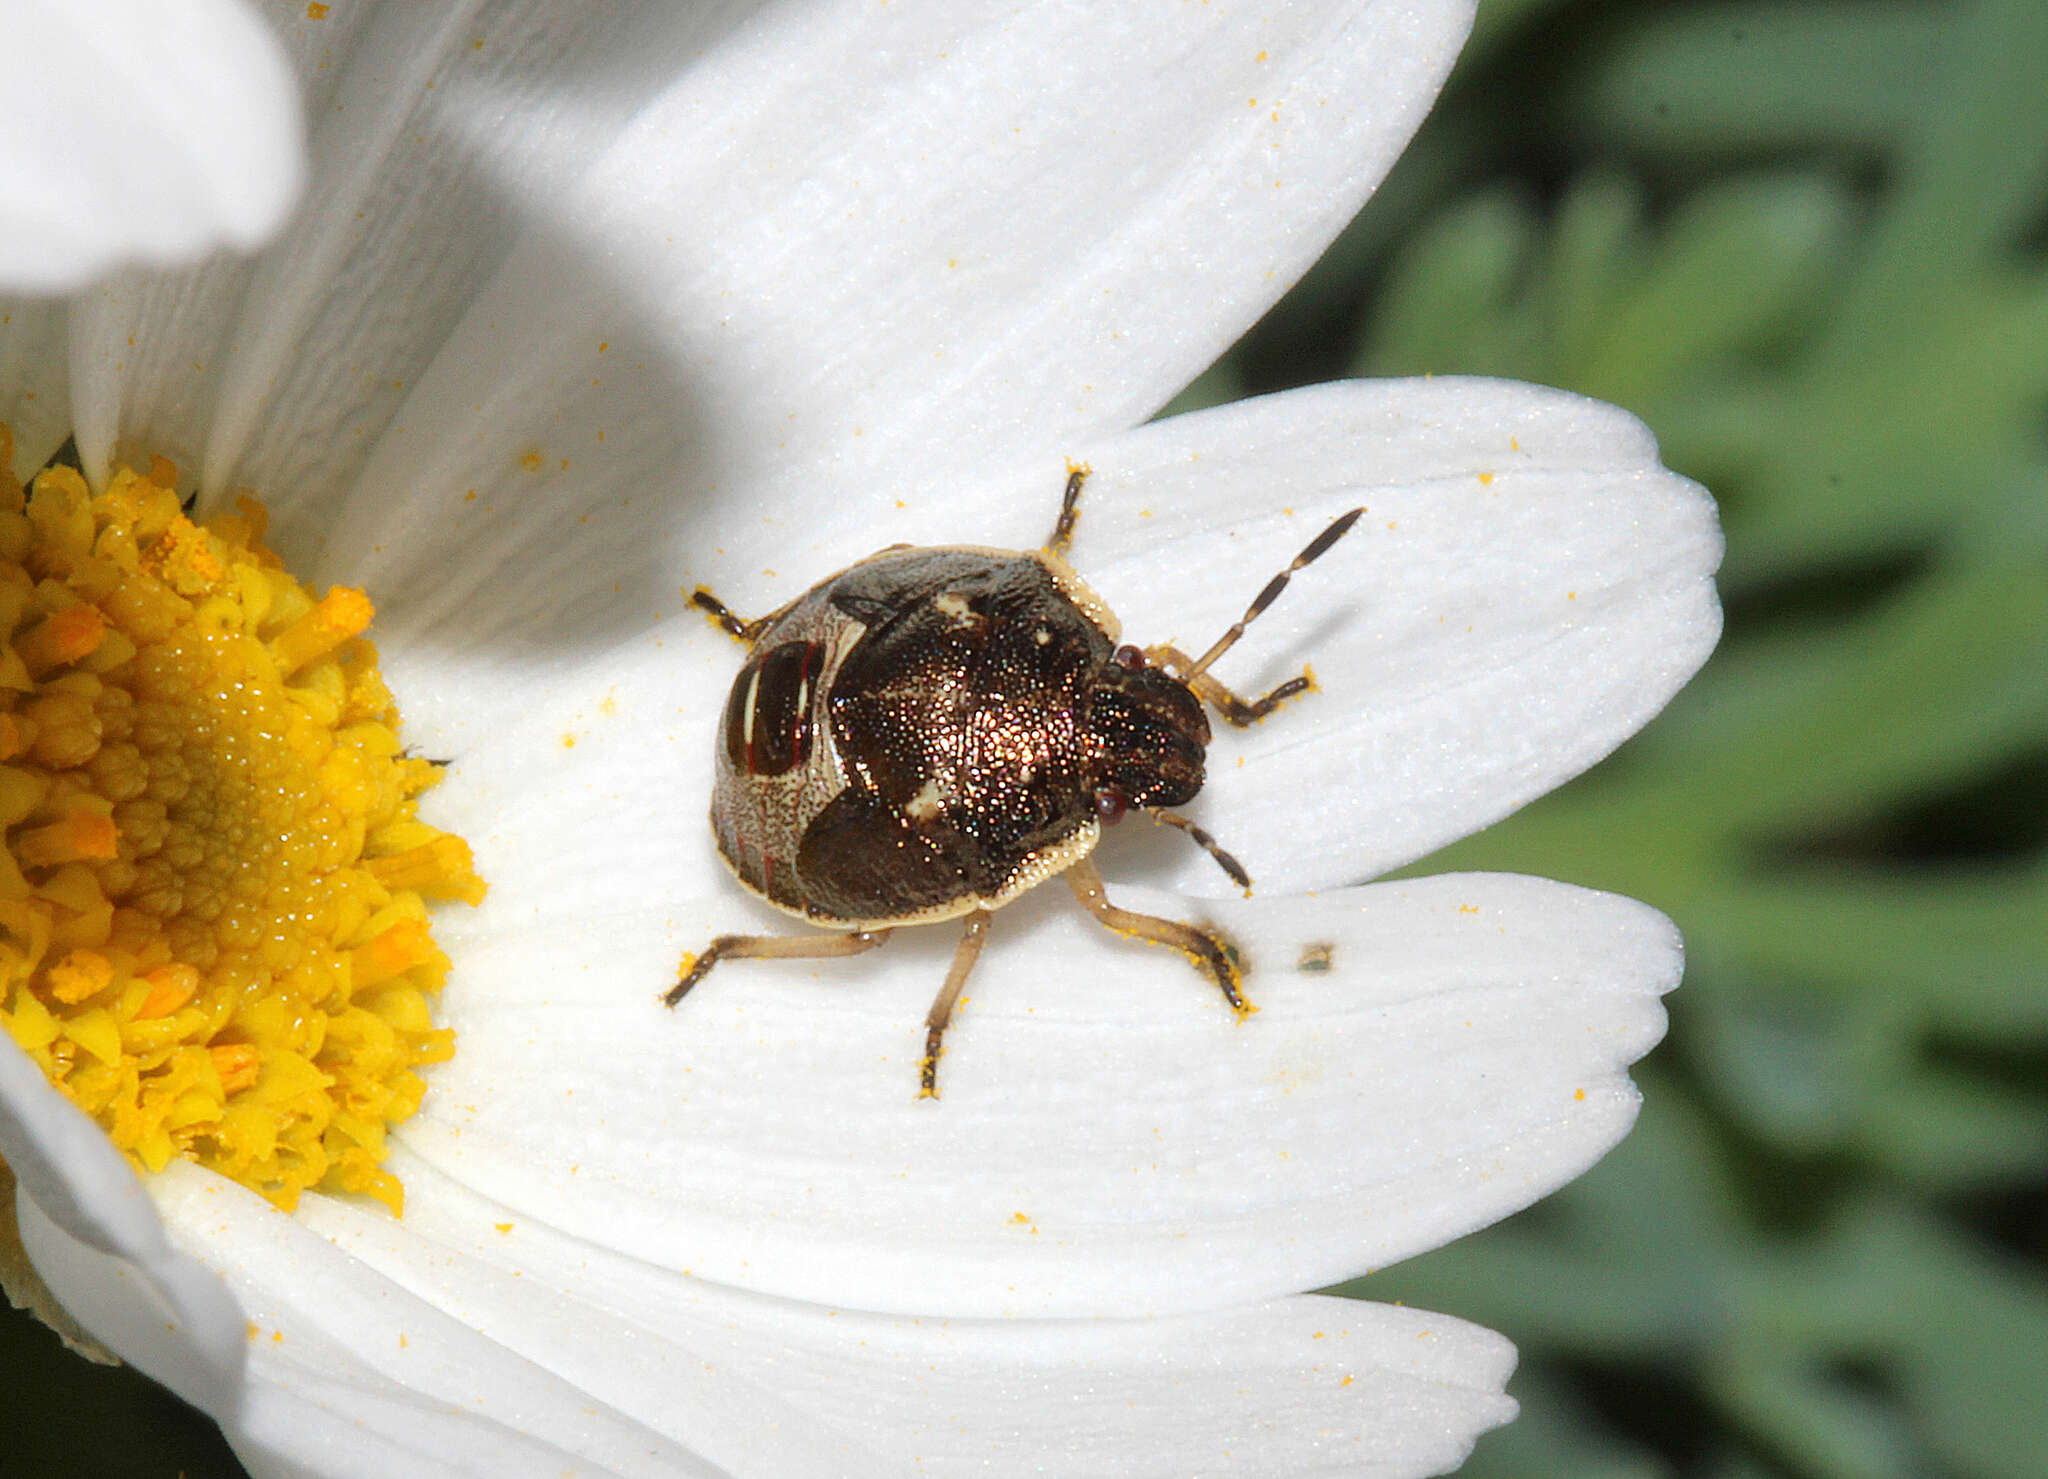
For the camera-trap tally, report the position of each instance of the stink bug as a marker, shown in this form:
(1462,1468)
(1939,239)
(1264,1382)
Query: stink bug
(931,732)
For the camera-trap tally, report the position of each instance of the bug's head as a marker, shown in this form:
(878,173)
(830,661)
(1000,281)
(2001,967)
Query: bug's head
(1145,734)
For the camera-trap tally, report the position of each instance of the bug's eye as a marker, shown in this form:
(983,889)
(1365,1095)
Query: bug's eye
(1110,807)
(1128,656)
(768,713)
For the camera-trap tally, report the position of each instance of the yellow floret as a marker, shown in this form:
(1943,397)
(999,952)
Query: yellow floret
(213,917)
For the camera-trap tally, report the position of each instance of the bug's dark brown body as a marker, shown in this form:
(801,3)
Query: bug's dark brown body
(922,736)
(931,732)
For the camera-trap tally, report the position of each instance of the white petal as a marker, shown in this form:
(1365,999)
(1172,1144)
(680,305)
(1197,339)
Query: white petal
(160,358)
(279,374)
(96,1242)
(301,1422)
(1109,1141)
(655,1367)
(1528,588)
(464,1342)
(334,1337)
(141,132)
(441,137)
(35,395)
(861,248)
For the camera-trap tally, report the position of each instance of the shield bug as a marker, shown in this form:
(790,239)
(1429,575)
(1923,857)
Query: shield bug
(933,731)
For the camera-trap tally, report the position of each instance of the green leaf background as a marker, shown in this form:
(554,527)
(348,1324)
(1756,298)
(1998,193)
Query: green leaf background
(1808,244)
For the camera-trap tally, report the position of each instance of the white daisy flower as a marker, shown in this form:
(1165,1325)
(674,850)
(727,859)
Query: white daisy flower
(584,308)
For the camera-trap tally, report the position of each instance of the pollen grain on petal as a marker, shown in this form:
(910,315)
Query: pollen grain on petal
(214,897)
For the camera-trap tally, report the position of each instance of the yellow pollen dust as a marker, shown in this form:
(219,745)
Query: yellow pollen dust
(213,900)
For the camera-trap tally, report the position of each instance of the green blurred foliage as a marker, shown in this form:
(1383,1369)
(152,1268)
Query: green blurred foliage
(1805,242)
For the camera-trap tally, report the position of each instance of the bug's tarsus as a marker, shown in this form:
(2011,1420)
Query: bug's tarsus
(722,614)
(1210,955)
(1223,859)
(1070,508)
(941,1012)
(700,967)
(1233,708)
(770,947)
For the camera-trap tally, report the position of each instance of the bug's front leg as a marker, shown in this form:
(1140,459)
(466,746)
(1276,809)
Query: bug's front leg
(1239,711)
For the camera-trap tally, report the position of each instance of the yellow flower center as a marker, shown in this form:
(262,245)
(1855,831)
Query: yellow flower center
(213,900)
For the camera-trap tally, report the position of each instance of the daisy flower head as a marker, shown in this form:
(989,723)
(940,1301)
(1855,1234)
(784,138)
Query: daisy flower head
(580,310)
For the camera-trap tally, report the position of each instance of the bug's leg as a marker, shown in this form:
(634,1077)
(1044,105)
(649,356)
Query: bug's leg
(722,614)
(941,1013)
(768,947)
(1239,711)
(1208,844)
(1070,509)
(1203,948)
(1196,673)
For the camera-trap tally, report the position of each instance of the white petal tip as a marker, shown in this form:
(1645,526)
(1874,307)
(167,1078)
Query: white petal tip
(158,134)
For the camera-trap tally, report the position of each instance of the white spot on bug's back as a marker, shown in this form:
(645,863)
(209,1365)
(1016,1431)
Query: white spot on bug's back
(953,606)
(930,797)
(747,709)
(1042,635)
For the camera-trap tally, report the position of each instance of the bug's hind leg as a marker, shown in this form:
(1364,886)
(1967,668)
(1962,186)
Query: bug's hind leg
(722,614)
(1203,948)
(768,947)
(941,1013)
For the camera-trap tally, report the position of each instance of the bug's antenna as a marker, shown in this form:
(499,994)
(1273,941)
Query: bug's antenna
(1317,547)
(1223,859)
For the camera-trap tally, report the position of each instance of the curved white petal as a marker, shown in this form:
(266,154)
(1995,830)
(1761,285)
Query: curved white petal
(301,1422)
(423,1377)
(655,1372)
(97,1244)
(1110,1140)
(860,247)
(140,132)
(444,135)
(435,135)
(472,1339)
